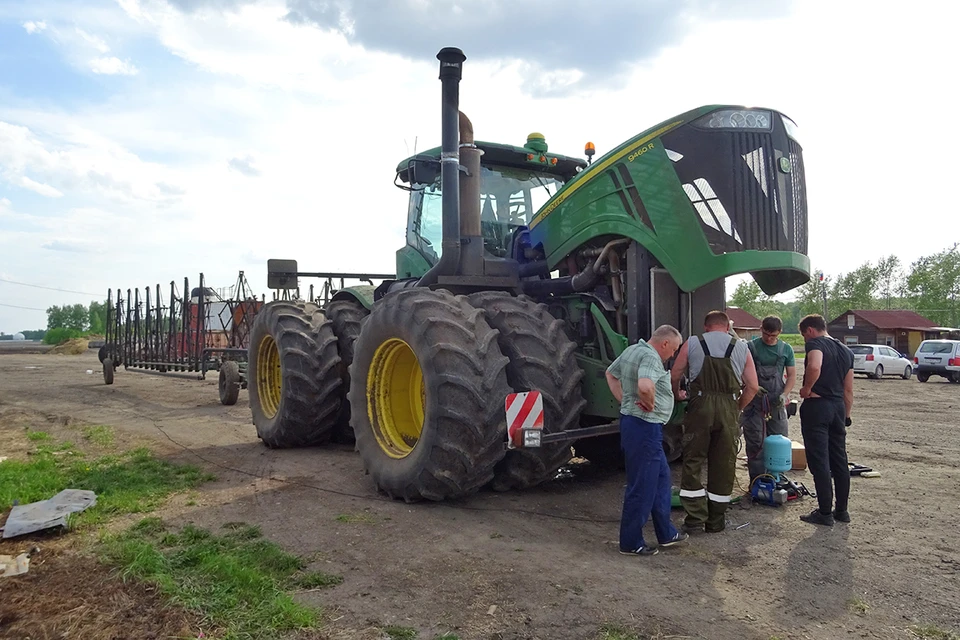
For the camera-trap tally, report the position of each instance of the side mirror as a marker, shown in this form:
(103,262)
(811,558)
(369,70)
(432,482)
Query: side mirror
(423,170)
(281,274)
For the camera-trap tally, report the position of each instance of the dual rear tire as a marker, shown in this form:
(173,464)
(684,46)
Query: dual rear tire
(293,368)
(427,379)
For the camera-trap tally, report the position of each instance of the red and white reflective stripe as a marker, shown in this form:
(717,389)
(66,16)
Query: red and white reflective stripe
(715,498)
(693,493)
(524,411)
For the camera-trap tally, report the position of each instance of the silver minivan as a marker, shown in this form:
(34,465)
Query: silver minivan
(938,358)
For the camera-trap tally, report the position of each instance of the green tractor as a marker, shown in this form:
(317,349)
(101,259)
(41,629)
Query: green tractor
(526,270)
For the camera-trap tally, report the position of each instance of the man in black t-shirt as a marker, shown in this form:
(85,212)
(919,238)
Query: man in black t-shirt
(827,394)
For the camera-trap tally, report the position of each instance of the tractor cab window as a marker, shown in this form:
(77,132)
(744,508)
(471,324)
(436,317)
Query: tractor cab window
(508,199)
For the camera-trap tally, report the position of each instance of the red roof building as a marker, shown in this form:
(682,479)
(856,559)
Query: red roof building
(898,328)
(745,324)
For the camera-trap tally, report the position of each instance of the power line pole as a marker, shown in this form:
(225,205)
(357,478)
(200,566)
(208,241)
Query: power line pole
(823,291)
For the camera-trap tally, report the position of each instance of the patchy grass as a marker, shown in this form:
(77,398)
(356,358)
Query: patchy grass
(354,518)
(400,633)
(133,482)
(447,636)
(932,632)
(101,435)
(317,580)
(615,632)
(859,606)
(37,436)
(236,580)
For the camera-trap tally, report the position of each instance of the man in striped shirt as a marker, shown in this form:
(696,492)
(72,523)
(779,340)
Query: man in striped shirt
(639,382)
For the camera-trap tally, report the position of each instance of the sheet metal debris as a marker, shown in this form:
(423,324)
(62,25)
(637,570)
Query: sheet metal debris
(47,514)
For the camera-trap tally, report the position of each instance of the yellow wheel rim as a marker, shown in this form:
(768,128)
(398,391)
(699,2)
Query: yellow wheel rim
(395,398)
(269,380)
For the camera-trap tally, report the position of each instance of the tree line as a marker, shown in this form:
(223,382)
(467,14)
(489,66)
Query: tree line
(69,321)
(75,320)
(930,286)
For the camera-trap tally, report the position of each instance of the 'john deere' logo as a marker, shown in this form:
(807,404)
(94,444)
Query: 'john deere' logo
(785,164)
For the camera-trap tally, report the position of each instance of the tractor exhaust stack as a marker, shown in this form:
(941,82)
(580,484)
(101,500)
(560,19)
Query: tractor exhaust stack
(451,70)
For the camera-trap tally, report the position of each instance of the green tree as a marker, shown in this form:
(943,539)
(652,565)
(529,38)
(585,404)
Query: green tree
(810,296)
(933,286)
(75,317)
(890,281)
(79,317)
(97,317)
(749,297)
(57,317)
(854,290)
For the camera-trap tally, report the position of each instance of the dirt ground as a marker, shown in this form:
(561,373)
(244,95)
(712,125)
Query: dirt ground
(543,563)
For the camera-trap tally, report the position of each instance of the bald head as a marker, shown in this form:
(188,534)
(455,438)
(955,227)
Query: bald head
(717,321)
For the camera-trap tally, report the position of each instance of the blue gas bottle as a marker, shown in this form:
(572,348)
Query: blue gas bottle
(777,454)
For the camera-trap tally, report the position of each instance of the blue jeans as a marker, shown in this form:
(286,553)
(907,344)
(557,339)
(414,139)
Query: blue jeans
(648,483)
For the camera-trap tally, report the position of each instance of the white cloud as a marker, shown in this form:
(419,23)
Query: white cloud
(94,41)
(71,245)
(162,171)
(245,165)
(34,27)
(5,203)
(113,66)
(82,163)
(39,187)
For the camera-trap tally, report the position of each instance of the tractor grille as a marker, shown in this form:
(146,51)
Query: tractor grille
(738,189)
(799,191)
(760,212)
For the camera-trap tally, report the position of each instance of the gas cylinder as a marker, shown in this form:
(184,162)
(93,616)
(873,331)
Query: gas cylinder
(777,454)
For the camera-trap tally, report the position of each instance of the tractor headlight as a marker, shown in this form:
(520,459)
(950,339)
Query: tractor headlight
(791,128)
(737,119)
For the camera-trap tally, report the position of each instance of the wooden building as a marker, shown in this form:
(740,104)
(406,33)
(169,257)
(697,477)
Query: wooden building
(745,324)
(903,330)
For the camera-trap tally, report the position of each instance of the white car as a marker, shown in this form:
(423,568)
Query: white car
(938,358)
(877,360)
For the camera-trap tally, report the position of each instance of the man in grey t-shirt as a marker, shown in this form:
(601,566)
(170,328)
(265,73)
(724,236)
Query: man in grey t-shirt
(723,380)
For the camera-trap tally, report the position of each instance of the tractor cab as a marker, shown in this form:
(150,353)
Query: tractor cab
(515,182)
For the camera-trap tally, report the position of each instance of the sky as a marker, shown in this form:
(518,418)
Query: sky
(142,141)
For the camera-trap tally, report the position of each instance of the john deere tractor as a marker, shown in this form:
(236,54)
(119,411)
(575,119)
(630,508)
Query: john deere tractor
(526,270)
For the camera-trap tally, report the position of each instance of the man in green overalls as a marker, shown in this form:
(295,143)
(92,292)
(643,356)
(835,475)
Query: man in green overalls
(767,414)
(723,380)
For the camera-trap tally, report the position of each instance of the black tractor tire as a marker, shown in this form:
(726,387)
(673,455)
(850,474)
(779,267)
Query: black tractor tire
(907,372)
(541,359)
(923,377)
(878,372)
(229,383)
(602,451)
(109,351)
(294,375)
(107,371)
(346,315)
(437,343)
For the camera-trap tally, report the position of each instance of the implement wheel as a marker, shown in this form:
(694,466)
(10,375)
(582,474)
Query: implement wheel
(541,359)
(346,316)
(428,384)
(107,371)
(293,375)
(229,383)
